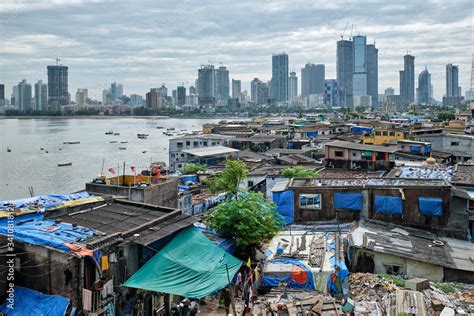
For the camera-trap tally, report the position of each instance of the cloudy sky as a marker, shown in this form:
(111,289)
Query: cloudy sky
(142,44)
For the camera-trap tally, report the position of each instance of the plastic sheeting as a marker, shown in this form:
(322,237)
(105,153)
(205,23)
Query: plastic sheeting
(430,206)
(348,201)
(190,265)
(31,302)
(36,230)
(284,202)
(301,277)
(190,178)
(388,205)
(361,130)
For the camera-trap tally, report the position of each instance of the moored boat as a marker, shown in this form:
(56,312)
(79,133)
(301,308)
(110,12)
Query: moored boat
(64,164)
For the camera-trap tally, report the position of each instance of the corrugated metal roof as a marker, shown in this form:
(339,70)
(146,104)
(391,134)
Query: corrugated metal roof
(210,151)
(355,146)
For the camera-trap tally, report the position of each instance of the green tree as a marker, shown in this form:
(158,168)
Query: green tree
(247,218)
(445,116)
(299,172)
(229,180)
(190,168)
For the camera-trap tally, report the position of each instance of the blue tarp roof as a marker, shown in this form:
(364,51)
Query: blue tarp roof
(36,230)
(284,202)
(31,302)
(45,202)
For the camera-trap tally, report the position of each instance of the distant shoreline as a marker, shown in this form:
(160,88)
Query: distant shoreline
(99,117)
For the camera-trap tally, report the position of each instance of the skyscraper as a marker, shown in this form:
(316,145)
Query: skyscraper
(81,96)
(373,73)
(41,96)
(293,86)
(312,79)
(424,88)
(2,92)
(24,96)
(344,71)
(206,85)
(222,83)
(407,83)
(119,91)
(181,95)
(331,93)
(452,85)
(259,91)
(152,99)
(57,86)
(359,79)
(279,87)
(113,91)
(236,88)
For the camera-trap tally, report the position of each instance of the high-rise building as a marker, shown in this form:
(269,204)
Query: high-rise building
(344,71)
(293,86)
(136,101)
(14,97)
(2,92)
(222,83)
(452,85)
(331,93)
(389,91)
(106,97)
(206,85)
(359,77)
(24,96)
(81,96)
(113,91)
(312,79)
(236,88)
(162,91)
(181,95)
(423,91)
(279,86)
(152,99)
(119,91)
(259,91)
(372,73)
(192,90)
(407,79)
(57,86)
(41,96)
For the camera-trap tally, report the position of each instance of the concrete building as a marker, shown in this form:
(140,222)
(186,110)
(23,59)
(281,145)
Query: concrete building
(331,93)
(206,85)
(236,89)
(279,82)
(312,79)
(461,146)
(81,96)
(180,95)
(365,69)
(177,156)
(372,73)
(24,96)
(424,88)
(2,94)
(407,79)
(259,91)
(152,99)
(106,97)
(58,93)
(136,101)
(344,70)
(41,96)
(222,83)
(293,86)
(452,85)
(363,101)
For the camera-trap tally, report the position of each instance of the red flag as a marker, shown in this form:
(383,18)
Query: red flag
(138,178)
(133,169)
(112,170)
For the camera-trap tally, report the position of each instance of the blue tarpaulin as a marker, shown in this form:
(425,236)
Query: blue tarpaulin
(312,135)
(31,302)
(190,178)
(361,130)
(36,230)
(45,202)
(183,187)
(388,204)
(284,202)
(300,277)
(348,201)
(430,206)
(415,149)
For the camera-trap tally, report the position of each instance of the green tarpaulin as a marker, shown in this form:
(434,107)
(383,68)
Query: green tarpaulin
(190,265)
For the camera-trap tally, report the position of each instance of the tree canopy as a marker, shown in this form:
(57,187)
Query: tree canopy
(247,218)
(229,180)
(299,172)
(190,168)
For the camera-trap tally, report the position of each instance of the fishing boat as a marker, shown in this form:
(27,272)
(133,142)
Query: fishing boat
(9,150)
(116,134)
(122,148)
(71,143)
(159,127)
(170,129)
(109,133)
(142,136)
(41,148)
(125,142)
(144,152)
(64,164)
(113,141)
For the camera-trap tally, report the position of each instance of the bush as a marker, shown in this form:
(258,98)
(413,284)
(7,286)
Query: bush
(299,172)
(229,180)
(190,168)
(247,218)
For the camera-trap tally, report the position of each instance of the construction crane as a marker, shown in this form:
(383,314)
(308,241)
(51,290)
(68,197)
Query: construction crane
(344,32)
(57,59)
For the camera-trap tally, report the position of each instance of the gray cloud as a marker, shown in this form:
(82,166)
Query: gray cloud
(144,43)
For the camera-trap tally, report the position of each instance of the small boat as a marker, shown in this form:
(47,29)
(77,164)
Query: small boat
(41,148)
(47,152)
(159,127)
(116,134)
(125,142)
(64,164)
(71,143)
(109,133)
(170,129)
(60,149)
(113,141)
(9,150)
(142,136)
(144,152)
(122,148)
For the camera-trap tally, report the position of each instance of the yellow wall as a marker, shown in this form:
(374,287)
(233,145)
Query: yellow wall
(383,138)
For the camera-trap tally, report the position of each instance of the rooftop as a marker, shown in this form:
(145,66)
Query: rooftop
(367,182)
(205,136)
(464,174)
(354,146)
(210,151)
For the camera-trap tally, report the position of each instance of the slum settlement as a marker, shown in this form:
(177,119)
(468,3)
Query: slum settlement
(314,215)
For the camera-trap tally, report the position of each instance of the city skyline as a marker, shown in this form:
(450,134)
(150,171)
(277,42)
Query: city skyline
(147,51)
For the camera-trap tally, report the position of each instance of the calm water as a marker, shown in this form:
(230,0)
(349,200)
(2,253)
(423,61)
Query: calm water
(26,165)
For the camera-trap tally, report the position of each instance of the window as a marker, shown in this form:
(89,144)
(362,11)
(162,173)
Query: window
(250,184)
(454,143)
(354,154)
(179,145)
(385,133)
(393,269)
(311,201)
(195,144)
(182,155)
(339,153)
(378,133)
(188,143)
(392,133)
(213,143)
(205,144)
